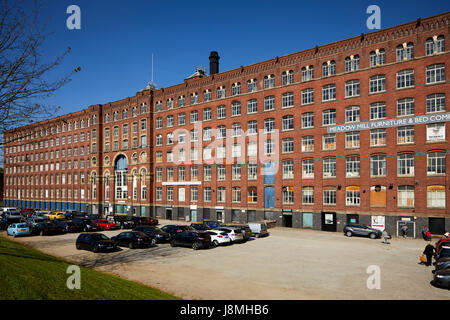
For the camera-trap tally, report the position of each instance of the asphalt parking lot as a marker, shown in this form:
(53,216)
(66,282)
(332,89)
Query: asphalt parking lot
(289,264)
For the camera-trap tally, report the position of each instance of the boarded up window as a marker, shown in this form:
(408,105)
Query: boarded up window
(378,196)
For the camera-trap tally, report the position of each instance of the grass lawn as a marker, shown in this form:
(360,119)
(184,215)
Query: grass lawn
(26,273)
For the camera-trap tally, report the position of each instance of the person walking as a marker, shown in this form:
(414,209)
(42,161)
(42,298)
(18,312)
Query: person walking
(428,252)
(425,232)
(405,230)
(385,236)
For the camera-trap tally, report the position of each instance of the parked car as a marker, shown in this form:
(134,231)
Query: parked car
(104,224)
(7,221)
(258,229)
(45,229)
(125,222)
(234,234)
(95,242)
(442,263)
(246,231)
(26,212)
(173,229)
(91,216)
(8,209)
(219,237)
(36,219)
(191,238)
(160,235)
(200,226)
(444,252)
(442,242)
(13,215)
(144,221)
(56,215)
(68,226)
(133,239)
(442,278)
(41,214)
(86,224)
(213,224)
(3,224)
(18,229)
(361,230)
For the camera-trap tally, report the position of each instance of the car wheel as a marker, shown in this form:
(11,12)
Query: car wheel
(215,243)
(131,245)
(78,246)
(14,235)
(348,233)
(41,233)
(372,236)
(85,229)
(195,246)
(172,243)
(96,249)
(153,242)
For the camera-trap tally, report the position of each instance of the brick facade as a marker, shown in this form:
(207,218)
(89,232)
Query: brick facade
(22,176)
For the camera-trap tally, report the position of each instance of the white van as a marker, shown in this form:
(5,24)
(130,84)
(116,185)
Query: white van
(8,209)
(259,229)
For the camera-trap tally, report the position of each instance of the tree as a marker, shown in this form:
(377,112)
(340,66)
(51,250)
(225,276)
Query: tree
(23,73)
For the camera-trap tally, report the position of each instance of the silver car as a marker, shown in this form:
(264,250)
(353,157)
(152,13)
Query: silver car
(361,230)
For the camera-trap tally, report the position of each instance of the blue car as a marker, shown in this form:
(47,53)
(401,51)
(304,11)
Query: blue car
(19,229)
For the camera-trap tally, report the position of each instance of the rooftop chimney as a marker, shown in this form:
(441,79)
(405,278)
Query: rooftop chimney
(214,62)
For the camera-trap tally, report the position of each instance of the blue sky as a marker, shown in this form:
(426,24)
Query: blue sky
(117,38)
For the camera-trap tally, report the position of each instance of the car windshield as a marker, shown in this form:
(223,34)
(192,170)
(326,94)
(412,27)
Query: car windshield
(99,236)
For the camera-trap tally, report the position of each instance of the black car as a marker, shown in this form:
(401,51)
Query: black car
(246,231)
(134,239)
(125,222)
(191,238)
(361,230)
(444,252)
(442,278)
(68,226)
(173,229)
(95,242)
(86,224)
(45,229)
(200,226)
(93,216)
(442,263)
(37,219)
(212,224)
(156,232)
(6,221)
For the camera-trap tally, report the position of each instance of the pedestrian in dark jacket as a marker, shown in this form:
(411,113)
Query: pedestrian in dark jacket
(428,252)
(405,230)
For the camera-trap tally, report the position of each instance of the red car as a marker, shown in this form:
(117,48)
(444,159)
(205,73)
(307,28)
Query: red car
(442,242)
(104,224)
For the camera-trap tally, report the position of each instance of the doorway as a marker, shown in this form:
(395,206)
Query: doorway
(329,221)
(220,215)
(194,215)
(436,225)
(169,213)
(287,220)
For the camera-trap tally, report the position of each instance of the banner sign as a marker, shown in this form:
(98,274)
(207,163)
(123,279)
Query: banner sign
(424,119)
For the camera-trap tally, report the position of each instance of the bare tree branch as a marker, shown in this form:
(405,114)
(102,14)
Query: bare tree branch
(22,71)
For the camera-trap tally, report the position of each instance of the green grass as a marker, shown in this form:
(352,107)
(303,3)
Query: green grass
(26,273)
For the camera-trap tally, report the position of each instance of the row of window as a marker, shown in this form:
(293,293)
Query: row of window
(436,165)
(405,107)
(377,195)
(352,63)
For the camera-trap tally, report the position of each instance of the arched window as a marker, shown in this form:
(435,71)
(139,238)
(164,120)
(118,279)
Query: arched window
(120,171)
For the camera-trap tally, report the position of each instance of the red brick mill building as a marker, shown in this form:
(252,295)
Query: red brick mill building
(352,131)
